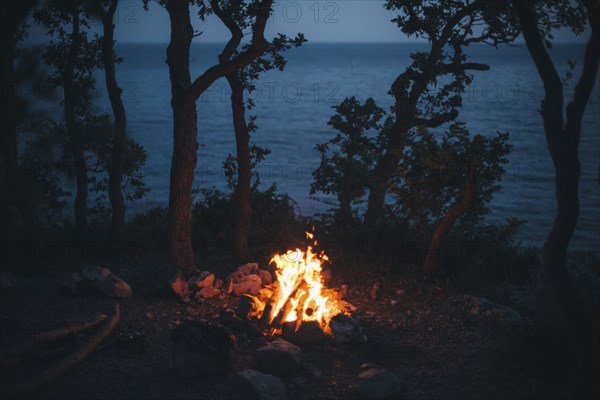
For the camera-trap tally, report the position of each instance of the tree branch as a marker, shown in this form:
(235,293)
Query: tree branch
(235,29)
(414,18)
(436,120)
(258,47)
(587,80)
(23,388)
(455,68)
(552,105)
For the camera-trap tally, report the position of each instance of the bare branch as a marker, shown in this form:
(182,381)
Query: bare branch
(32,384)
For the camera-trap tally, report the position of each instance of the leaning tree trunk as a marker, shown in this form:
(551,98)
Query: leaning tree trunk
(459,209)
(185,145)
(242,209)
(115,174)
(563,143)
(71,90)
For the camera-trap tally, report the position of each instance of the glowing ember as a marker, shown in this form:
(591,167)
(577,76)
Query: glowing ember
(299,295)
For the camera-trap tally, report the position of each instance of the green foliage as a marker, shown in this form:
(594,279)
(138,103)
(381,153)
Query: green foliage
(96,129)
(490,20)
(486,259)
(274,220)
(432,174)
(230,166)
(41,197)
(347,160)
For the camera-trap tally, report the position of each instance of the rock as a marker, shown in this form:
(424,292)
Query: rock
(106,282)
(250,384)
(250,285)
(248,307)
(240,326)
(177,287)
(236,277)
(482,306)
(207,292)
(346,329)
(265,277)
(218,283)
(249,268)
(308,332)
(229,287)
(201,347)
(74,284)
(374,292)
(202,280)
(278,357)
(376,382)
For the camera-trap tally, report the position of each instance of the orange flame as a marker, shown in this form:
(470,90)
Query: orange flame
(302,295)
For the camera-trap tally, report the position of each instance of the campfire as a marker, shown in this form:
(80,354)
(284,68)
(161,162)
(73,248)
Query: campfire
(298,300)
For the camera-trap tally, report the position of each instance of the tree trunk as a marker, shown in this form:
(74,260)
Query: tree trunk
(115,175)
(563,143)
(459,209)
(384,169)
(71,90)
(184,94)
(242,209)
(185,145)
(344,196)
(12,16)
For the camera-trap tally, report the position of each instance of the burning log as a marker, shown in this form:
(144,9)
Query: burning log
(49,375)
(287,306)
(266,317)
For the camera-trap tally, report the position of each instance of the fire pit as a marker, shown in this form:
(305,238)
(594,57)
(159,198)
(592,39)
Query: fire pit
(298,305)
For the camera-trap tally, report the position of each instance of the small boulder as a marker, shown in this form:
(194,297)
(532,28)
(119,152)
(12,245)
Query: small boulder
(106,282)
(309,332)
(240,326)
(177,287)
(278,357)
(250,384)
(346,329)
(201,348)
(249,268)
(200,281)
(250,285)
(376,383)
(248,307)
(207,292)
(265,277)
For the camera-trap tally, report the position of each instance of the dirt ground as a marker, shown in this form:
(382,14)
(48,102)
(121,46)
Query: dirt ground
(431,340)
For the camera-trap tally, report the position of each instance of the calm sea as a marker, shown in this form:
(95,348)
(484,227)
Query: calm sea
(293,108)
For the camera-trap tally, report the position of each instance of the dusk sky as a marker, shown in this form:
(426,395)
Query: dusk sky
(322,21)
